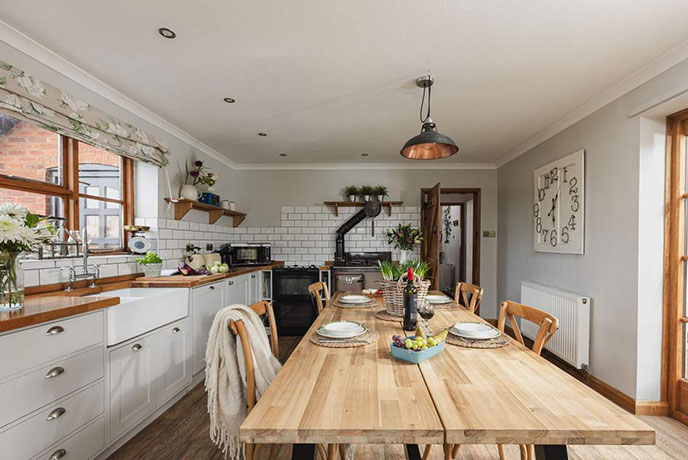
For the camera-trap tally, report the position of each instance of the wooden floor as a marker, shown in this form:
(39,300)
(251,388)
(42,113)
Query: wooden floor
(182,433)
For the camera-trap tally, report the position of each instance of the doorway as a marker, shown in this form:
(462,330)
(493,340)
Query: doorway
(450,221)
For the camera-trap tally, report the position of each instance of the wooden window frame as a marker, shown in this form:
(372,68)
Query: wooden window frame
(675,386)
(69,190)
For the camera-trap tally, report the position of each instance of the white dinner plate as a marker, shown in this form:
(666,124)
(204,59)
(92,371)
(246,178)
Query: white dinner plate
(355,333)
(354,299)
(340,327)
(474,331)
(437,299)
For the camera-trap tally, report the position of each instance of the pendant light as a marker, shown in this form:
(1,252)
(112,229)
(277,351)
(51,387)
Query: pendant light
(429,144)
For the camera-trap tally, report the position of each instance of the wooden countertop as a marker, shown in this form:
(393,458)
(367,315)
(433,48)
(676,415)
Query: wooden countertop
(42,309)
(198,280)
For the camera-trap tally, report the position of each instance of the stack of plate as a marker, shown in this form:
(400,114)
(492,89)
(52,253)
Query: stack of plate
(354,299)
(433,299)
(341,330)
(474,331)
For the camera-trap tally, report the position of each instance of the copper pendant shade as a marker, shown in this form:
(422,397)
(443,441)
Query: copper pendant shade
(429,144)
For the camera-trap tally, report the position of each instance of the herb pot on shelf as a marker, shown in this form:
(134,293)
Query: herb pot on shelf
(366,197)
(189,192)
(380,198)
(352,198)
(11,282)
(151,270)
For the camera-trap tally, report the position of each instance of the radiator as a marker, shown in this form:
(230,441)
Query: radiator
(572,341)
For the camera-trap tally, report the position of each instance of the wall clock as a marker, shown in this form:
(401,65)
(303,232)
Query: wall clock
(559,205)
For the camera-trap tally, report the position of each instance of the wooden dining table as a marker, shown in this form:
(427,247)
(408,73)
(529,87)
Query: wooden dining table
(362,395)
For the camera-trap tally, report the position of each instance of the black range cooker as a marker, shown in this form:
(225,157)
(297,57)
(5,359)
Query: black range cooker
(294,309)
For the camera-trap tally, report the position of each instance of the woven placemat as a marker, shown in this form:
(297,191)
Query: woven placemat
(365,339)
(446,306)
(384,316)
(498,342)
(370,304)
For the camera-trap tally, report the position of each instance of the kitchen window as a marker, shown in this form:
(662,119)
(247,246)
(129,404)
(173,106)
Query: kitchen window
(54,175)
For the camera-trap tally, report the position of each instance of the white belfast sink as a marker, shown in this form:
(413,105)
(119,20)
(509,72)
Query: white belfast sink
(143,309)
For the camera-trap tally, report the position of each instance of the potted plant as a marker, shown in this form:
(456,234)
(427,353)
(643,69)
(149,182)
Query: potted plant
(151,264)
(380,192)
(198,174)
(404,237)
(20,231)
(351,192)
(366,192)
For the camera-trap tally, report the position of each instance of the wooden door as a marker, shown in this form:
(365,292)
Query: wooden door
(430,210)
(132,384)
(175,357)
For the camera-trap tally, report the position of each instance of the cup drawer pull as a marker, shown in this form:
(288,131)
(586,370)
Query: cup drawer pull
(175,330)
(58,454)
(56,413)
(54,372)
(54,330)
(136,347)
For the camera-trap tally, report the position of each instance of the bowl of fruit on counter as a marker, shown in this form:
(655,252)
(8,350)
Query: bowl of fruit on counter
(419,347)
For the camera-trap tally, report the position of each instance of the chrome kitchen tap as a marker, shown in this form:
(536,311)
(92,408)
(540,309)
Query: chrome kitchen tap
(73,276)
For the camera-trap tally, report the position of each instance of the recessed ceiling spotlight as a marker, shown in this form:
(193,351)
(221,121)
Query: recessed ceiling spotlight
(283,154)
(167,33)
(229,100)
(364,154)
(262,134)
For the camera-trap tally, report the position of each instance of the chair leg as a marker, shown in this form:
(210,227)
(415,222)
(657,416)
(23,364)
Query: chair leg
(256,449)
(500,448)
(321,451)
(426,452)
(455,451)
(249,451)
(332,452)
(447,451)
(524,451)
(271,451)
(342,450)
(531,451)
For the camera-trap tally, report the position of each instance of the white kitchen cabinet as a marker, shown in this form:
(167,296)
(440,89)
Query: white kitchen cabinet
(174,343)
(254,287)
(132,383)
(237,290)
(206,301)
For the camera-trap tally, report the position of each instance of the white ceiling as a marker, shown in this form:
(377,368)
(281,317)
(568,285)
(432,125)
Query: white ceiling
(329,80)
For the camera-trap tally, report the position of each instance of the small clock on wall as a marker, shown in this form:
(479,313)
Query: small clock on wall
(559,205)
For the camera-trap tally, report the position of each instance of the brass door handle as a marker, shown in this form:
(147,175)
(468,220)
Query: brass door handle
(58,454)
(136,347)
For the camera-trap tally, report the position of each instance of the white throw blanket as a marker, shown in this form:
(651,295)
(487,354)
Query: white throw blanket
(225,375)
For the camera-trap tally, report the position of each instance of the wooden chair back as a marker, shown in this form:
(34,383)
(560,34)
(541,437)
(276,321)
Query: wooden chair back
(548,323)
(239,329)
(463,290)
(318,291)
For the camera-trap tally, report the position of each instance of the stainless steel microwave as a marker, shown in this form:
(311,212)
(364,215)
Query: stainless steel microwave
(247,254)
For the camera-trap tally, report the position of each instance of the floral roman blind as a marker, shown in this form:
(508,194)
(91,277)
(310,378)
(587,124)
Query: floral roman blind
(26,97)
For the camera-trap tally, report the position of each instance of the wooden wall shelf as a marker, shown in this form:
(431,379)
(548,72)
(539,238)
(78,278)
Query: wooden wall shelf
(357,204)
(183,206)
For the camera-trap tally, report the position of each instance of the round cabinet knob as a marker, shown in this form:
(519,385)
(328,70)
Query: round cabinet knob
(58,454)
(54,372)
(54,330)
(136,347)
(56,413)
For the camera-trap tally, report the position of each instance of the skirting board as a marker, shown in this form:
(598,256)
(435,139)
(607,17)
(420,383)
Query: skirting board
(613,394)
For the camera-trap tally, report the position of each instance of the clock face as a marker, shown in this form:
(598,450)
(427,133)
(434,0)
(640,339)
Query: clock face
(558,206)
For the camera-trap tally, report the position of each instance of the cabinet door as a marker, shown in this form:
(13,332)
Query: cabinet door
(206,300)
(236,290)
(174,343)
(254,287)
(132,384)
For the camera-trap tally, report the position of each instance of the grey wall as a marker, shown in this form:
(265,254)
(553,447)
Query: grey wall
(262,193)
(625,331)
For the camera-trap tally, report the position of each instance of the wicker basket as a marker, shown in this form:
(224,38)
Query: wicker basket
(393,291)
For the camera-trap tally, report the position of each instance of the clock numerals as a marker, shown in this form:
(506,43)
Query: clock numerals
(572,222)
(536,210)
(565,172)
(575,205)
(553,175)
(538,224)
(544,234)
(541,194)
(565,235)
(573,189)
(553,238)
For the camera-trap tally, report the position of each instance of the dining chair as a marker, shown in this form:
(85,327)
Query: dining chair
(262,308)
(238,329)
(318,291)
(461,296)
(548,327)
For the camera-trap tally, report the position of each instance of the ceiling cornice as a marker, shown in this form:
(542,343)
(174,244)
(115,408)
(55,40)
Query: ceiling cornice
(43,55)
(645,74)
(363,166)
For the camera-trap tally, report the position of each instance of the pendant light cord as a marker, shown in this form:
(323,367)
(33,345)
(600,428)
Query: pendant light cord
(422,103)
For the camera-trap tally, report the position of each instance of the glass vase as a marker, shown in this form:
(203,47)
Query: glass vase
(11,282)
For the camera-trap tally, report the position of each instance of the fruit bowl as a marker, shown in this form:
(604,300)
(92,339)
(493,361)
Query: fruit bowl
(416,356)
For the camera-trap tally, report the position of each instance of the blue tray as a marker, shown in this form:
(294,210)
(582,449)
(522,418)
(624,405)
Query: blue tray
(415,357)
